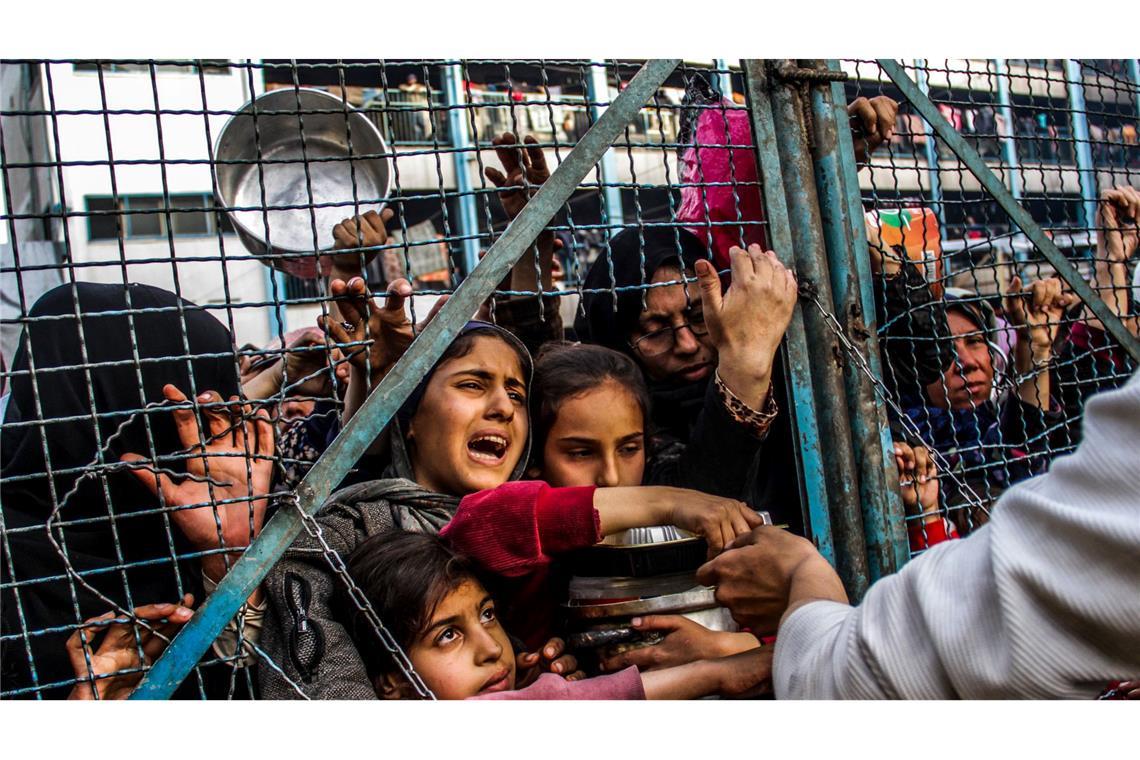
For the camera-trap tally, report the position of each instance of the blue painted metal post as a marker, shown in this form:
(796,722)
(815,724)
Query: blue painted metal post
(598,95)
(991,184)
(1134,70)
(1011,164)
(1086,172)
(461,140)
(805,423)
(934,179)
(830,397)
(837,183)
(275,296)
(723,78)
(354,439)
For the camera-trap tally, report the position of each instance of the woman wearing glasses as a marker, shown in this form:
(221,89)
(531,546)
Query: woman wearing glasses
(708,356)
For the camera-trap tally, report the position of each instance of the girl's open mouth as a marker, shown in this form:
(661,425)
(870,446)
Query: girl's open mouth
(488,447)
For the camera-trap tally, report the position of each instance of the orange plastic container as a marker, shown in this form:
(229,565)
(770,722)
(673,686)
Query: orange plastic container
(915,231)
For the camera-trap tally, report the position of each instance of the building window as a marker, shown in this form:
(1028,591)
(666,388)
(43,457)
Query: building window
(145,216)
(118,67)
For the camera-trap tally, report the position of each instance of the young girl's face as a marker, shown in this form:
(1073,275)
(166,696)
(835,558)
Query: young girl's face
(464,652)
(597,439)
(470,429)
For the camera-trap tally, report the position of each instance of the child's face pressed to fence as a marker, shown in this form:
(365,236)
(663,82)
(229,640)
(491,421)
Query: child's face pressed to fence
(684,354)
(464,652)
(470,429)
(970,379)
(597,439)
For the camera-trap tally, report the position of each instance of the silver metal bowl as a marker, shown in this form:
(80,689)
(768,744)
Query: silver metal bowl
(286,207)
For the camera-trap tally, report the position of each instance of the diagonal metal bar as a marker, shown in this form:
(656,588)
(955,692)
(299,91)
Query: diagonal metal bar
(191,643)
(996,188)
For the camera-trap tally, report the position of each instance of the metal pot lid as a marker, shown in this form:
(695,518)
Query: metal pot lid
(699,597)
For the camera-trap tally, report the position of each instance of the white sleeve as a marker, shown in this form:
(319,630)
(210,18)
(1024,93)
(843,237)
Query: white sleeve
(1044,601)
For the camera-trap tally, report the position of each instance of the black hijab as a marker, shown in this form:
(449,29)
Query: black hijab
(675,406)
(63,424)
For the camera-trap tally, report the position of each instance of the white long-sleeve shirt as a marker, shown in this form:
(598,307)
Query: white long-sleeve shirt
(1042,602)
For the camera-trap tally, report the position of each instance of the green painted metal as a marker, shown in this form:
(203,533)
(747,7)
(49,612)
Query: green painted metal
(191,643)
(837,183)
(805,425)
(824,351)
(1009,204)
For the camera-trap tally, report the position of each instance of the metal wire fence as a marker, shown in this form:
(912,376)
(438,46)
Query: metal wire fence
(1059,134)
(130,202)
(146,199)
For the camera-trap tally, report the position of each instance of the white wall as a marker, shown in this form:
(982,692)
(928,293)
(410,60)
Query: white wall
(84,137)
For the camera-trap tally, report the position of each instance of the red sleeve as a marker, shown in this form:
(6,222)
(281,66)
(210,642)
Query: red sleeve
(518,526)
(924,535)
(625,684)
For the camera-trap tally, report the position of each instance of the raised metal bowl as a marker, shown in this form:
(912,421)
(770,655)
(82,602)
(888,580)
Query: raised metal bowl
(286,195)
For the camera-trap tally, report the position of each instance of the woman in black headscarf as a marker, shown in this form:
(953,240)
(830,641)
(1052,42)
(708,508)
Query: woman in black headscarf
(703,439)
(79,396)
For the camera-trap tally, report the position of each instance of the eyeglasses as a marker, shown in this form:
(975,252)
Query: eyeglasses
(662,341)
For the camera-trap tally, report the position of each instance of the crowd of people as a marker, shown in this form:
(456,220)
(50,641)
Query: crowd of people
(156,451)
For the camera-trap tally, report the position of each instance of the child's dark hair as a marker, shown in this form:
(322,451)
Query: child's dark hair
(404,576)
(565,370)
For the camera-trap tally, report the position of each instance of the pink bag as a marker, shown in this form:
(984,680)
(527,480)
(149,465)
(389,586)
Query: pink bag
(738,200)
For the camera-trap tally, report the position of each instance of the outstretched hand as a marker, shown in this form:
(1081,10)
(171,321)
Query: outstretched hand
(526,170)
(764,572)
(552,658)
(685,641)
(226,479)
(367,231)
(747,322)
(387,327)
(872,124)
(116,664)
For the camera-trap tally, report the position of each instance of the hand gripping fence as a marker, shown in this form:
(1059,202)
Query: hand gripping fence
(191,643)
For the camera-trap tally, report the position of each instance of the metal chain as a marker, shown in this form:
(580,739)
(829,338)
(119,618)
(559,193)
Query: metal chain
(333,558)
(808,290)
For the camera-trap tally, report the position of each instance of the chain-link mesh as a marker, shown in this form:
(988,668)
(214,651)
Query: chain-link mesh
(143,202)
(982,374)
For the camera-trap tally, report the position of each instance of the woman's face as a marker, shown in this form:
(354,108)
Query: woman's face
(597,439)
(969,381)
(465,651)
(470,429)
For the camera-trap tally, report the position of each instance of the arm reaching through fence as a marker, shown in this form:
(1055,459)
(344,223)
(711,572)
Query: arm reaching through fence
(1118,235)
(220,503)
(115,667)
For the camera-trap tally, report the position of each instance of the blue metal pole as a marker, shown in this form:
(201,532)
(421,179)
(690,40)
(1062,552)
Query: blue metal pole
(1134,71)
(461,140)
(598,94)
(1012,166)
(1078,118)
(933,177)
(723,78)
(805,423)
(811,265)
(840,207)
(189,645)
(275,296)
(1019,215)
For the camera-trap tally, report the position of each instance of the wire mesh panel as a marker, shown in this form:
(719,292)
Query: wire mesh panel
(988,354)
(173,246)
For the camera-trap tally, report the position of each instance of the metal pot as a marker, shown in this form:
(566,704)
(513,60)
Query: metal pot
(283,195)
